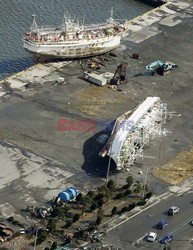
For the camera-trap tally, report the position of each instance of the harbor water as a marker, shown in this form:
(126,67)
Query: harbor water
(15,19)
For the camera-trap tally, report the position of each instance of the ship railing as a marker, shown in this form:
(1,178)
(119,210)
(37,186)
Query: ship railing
(70,40)
(46,30)
(50,28)
(48,34)
(58,37)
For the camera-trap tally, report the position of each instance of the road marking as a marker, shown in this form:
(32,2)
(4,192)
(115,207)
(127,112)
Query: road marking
(164,195)
(158,199)
(117,225)
(142,238)
(179,227)
(184,190)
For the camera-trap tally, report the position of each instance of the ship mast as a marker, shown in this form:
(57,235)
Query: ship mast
(111,13)
(67,23)
(83,21)
(34,26)
(110,20)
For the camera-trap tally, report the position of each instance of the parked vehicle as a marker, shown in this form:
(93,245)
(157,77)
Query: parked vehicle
(162,224)
(22,231)
(151,236)
(167,238)
(173,210)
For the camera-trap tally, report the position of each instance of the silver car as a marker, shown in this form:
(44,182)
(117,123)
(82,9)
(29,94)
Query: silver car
(173,210)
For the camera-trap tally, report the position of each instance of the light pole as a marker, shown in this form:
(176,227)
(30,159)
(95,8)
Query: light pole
(109,164)
(144,184)
(36,237)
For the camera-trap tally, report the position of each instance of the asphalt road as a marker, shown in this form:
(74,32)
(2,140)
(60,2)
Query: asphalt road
(135,229)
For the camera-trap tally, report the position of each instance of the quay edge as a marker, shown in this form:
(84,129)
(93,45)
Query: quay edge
(37,65)
(154,3)
(40,108)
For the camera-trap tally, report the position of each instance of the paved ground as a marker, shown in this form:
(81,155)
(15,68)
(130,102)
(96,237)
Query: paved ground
(38,161)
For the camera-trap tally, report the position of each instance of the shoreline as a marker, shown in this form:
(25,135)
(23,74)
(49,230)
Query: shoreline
(18,74)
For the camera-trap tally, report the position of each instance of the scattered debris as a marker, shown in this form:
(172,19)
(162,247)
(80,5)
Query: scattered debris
(60,79)
(5,232)
(99,79)
(160,67)
(136,56)
(112,54)
(46,210)
(22,231)
(120,75)
(94,65)
(113,87)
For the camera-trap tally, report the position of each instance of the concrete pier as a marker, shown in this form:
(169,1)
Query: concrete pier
(38,161)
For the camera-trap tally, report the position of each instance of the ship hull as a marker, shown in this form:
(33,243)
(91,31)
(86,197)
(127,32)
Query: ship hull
(75,49)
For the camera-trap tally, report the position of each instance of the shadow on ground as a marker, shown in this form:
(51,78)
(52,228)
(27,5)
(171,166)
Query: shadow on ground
(94,165)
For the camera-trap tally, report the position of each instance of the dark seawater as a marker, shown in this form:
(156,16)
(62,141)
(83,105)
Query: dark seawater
(15,19)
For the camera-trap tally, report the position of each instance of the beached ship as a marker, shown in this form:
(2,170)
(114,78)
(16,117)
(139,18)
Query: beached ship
(72,39)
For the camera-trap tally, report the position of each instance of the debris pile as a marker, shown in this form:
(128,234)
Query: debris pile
(46,210)
(159,67)
(5,232)
(120,75)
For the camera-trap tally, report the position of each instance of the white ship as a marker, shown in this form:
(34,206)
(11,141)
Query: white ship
(72,39)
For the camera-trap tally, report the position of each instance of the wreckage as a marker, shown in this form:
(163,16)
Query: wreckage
(160,67)
(132,131)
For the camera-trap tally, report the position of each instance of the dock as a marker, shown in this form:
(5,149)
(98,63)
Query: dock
(39,160)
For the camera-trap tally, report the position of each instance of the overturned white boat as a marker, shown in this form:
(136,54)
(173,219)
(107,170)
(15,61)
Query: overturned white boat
(131,132)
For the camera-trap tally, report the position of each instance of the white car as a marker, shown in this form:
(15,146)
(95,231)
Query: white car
(151,236)
(22,231)
(173,210)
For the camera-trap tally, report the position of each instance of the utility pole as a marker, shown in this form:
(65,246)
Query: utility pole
(36,237)
(109,164)
(144,184)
